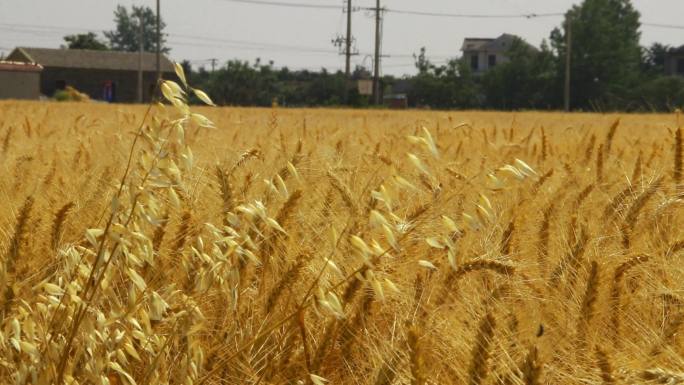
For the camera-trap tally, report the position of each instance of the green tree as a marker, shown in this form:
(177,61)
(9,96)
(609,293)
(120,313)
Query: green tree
(126,36)
(85,41)
(526,81)
(661,93)
(605,53)
(240,83)
(445,86)
(653,59)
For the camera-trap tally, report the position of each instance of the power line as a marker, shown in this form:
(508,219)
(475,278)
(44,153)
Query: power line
(398,11)
(253,43)
(284,4)
(669,26)
(473,16)
(205,41)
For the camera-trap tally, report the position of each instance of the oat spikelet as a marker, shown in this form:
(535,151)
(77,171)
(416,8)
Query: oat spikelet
(58,224)
(479,362)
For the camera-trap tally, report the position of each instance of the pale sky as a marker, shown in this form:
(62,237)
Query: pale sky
(301,38)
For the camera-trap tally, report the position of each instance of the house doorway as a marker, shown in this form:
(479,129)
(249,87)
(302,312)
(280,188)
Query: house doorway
(109,91)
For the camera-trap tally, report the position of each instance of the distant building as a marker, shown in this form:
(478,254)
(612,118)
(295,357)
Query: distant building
(103,75)
(396,101)
(396,95)
(674,61)
(19,80)
(482,54)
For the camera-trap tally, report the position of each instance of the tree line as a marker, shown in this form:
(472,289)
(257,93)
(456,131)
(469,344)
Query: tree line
(609,70)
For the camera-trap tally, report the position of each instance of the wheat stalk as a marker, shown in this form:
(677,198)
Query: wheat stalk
(479,361)
(58,224)
(416,356)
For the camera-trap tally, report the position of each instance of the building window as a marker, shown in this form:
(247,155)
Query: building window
(475,62)
(680,66)
(492,60)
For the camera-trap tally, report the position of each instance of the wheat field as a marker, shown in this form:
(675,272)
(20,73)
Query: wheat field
(343,247)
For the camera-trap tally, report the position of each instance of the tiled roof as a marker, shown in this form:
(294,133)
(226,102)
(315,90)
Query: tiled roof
(90,59)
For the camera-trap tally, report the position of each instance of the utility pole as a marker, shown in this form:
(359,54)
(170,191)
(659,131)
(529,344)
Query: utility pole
(568,55)
(347,64)
(158,43)
(376,67)
(140,59)
(213,64)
